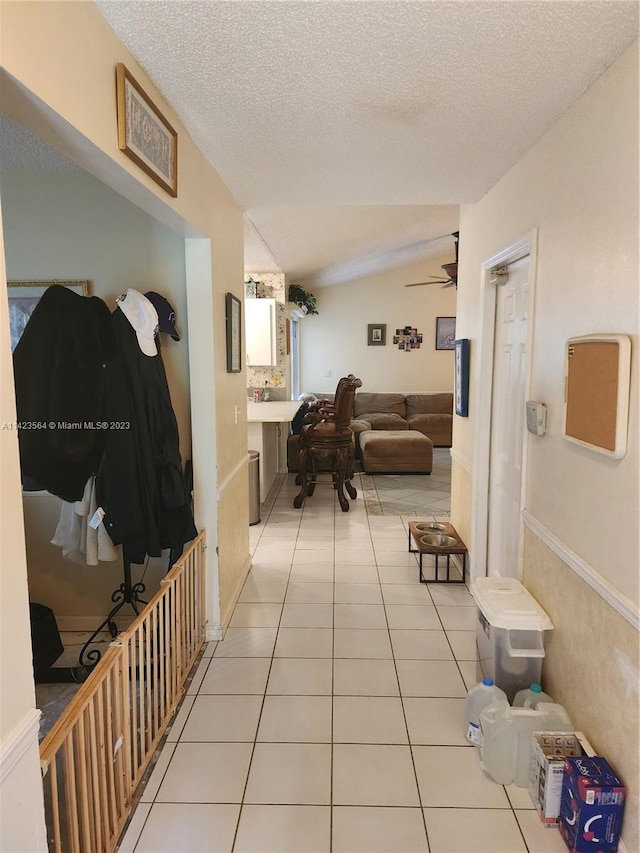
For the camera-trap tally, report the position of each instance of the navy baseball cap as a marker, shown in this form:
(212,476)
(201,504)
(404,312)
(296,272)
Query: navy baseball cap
(166,314)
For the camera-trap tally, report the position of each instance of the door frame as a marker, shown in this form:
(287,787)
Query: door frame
(514,251)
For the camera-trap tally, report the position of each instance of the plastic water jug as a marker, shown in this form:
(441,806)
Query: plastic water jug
(479,697)
(497,755)
(505,753)
(530,697)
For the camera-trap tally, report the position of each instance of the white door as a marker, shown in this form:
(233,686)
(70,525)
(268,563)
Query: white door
(508,423)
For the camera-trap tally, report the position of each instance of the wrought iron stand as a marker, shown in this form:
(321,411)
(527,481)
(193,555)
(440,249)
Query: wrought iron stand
(127,593)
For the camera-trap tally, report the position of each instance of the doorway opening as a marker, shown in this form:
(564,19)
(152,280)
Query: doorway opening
(500,435)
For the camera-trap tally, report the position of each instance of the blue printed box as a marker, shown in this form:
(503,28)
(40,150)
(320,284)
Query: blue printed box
(591,806)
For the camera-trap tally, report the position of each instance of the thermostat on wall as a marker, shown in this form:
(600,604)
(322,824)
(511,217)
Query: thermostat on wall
(536,417)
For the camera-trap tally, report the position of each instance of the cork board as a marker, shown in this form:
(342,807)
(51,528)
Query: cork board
(597,392)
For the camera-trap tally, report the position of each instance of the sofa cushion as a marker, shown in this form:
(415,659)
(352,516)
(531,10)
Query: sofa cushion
(427,404)
(437,427)
(359,426)
(367,401)
(384,420)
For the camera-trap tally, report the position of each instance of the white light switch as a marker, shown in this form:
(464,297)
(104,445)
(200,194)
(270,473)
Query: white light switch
(327,373)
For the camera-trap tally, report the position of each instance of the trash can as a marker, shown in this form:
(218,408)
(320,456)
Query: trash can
(509,633)
(254,487)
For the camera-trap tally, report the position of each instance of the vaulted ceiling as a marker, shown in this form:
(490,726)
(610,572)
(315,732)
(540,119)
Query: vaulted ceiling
(350,131)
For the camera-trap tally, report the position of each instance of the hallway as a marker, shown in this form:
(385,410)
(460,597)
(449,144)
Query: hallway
(331,716)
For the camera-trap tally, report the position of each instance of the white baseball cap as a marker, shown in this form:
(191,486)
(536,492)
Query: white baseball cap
(143,317)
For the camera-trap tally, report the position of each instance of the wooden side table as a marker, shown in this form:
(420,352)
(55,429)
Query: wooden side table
(420,534)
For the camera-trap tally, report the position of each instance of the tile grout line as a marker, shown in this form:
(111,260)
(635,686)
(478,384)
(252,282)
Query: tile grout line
(264,696)
(406,724)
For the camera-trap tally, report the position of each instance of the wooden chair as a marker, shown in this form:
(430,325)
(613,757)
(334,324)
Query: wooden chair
(327,434)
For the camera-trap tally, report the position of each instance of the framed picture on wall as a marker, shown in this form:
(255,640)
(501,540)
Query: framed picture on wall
(377,334)
(462,377)
(234,334)
(25,295)
(445,332)
(144,134)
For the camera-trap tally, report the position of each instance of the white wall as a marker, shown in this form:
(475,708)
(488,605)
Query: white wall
(579,187)
(69,225)
(83,230)
(336,339)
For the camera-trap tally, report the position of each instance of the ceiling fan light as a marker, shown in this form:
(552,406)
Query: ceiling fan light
(451,270)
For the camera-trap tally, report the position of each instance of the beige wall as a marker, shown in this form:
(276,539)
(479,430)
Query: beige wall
(579,187)
(22,820)
(58,80)
(336,339)
(66,94)
(591,666)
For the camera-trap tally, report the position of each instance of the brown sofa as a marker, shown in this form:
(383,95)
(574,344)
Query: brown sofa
(430,414)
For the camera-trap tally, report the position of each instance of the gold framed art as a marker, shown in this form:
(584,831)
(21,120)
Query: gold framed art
(144,134)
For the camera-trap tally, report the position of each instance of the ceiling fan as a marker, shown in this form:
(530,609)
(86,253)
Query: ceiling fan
(450,269)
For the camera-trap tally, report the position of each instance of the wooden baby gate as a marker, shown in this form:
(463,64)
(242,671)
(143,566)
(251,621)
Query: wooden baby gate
(95,755)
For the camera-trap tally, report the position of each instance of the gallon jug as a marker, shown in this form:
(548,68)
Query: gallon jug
(530,697)
(549,717)
(506,738)
(497,747)
(479,697)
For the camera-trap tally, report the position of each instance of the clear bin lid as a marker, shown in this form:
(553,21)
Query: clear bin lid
(505,603)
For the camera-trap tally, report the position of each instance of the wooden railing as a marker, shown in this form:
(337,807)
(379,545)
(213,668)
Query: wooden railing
(95,755)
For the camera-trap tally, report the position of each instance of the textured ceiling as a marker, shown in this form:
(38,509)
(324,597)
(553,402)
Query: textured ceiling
(21,151)
(338,126)
(327,244)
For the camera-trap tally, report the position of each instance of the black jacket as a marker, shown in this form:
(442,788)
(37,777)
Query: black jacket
(141,485)
(60,381)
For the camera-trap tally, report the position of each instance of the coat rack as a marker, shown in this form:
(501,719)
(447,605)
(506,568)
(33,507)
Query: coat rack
(127,593)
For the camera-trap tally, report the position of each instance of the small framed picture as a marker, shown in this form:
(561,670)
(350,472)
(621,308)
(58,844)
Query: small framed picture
(462,377)
(376,334)
(25,295)
(234,334)
(445,332)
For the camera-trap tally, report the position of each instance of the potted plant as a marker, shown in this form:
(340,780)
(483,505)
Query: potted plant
(304,300)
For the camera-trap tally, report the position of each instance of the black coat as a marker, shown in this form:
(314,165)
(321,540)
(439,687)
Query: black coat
(60,381)
(141,484)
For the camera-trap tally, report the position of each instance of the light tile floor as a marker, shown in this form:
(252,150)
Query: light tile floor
(330,718)
(415,494)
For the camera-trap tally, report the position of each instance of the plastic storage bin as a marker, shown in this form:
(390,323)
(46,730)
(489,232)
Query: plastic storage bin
(509,633)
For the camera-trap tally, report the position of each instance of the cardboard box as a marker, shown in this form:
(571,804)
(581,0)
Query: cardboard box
(548,752)
(591,806)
